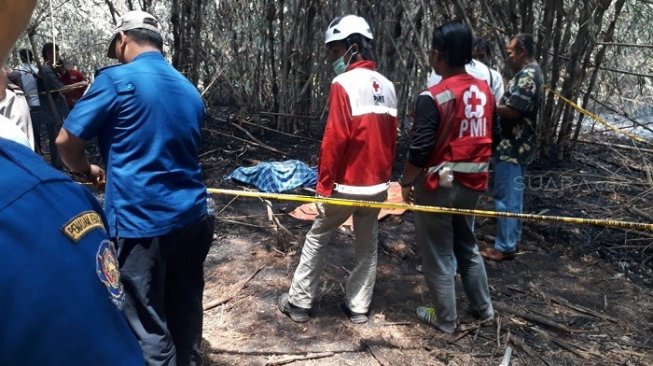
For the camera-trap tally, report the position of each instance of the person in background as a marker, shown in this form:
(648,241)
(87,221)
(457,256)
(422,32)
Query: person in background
(482,51)
(60,291)
(447,166)
(14,107)
(52,101)
(155,201)
(74,80)
(478,70)
(28,75)
(517,112)
(355,162)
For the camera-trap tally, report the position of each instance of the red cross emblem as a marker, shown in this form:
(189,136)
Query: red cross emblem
(474,101)
(375,86)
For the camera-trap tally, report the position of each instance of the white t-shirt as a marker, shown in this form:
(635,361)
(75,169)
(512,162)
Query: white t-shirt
(478,70)
(10,131)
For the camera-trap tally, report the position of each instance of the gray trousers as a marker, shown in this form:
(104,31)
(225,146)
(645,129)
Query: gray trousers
(447,242)
(360,283)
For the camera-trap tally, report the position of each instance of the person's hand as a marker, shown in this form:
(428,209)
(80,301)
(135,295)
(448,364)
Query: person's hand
(96,176)
(408,194)
(81,84)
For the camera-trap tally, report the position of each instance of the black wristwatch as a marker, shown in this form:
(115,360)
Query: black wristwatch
(405,185)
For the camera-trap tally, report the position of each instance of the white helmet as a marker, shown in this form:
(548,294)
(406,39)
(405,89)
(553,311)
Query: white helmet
(343,27)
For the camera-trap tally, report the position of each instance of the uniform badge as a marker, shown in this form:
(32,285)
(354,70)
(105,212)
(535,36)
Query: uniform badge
(108,272)
(81,224)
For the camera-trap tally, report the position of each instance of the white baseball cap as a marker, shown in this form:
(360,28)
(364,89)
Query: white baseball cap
(133,20)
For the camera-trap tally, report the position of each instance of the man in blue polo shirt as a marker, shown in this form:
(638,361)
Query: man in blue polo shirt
(147,117)
(60,290)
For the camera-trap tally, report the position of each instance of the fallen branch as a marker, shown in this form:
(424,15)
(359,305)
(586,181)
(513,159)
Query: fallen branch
(534,318)
(280,132)
(573,348)
(288,115)
(290,359)
(228,298)
(505,361)
(636,345)
(625,44)
(582,309)
(498,333)
(369,348)
(516,341)
(213,80)
(260,143)
(282,241)
(231,221)
(640,213)
(564,302)
(208,152)
(463,334)
(226,206)
(569,348)
(389,324)
(619,146)
(245,141)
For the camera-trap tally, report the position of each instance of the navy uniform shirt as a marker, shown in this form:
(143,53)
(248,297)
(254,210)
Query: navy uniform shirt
(147,117)
(60,290)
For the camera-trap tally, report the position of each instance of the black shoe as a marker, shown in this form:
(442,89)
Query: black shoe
(356,318)
(297,314)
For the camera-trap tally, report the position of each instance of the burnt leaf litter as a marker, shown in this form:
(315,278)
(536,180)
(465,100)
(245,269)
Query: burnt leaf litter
(574,294)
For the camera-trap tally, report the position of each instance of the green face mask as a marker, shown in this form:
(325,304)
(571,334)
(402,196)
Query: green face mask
(339,65)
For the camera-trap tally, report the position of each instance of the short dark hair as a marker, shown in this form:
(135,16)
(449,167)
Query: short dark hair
(454,41)
(483,44)
(26,55)
(526,43)
(49,48)
(363,43)
(146,36)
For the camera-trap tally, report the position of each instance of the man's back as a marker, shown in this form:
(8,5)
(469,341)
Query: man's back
(28,75)
(147,117)
(359,139)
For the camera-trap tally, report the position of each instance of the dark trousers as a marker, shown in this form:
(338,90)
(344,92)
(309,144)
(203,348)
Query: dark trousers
(164,281)
(40,119)
(52,128)
(37,119)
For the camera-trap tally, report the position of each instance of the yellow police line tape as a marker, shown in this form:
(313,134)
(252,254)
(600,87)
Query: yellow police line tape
(594,116)
(435,209)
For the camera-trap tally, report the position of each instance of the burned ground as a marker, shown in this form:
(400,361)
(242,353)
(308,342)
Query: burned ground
(575,294)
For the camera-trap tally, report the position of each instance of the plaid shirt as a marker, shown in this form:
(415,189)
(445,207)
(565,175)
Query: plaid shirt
(277,176)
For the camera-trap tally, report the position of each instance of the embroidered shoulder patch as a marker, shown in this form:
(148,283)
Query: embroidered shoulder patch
(109,273)
(81,224)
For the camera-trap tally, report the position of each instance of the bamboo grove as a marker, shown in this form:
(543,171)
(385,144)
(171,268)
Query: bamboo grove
(269,56)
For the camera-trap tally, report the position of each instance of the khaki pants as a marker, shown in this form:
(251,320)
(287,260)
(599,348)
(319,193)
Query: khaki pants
(360,283)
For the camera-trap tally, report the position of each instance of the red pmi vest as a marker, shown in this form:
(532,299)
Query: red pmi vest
(464,145)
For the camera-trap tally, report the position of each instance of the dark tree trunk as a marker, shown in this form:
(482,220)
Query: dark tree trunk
(186,19)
